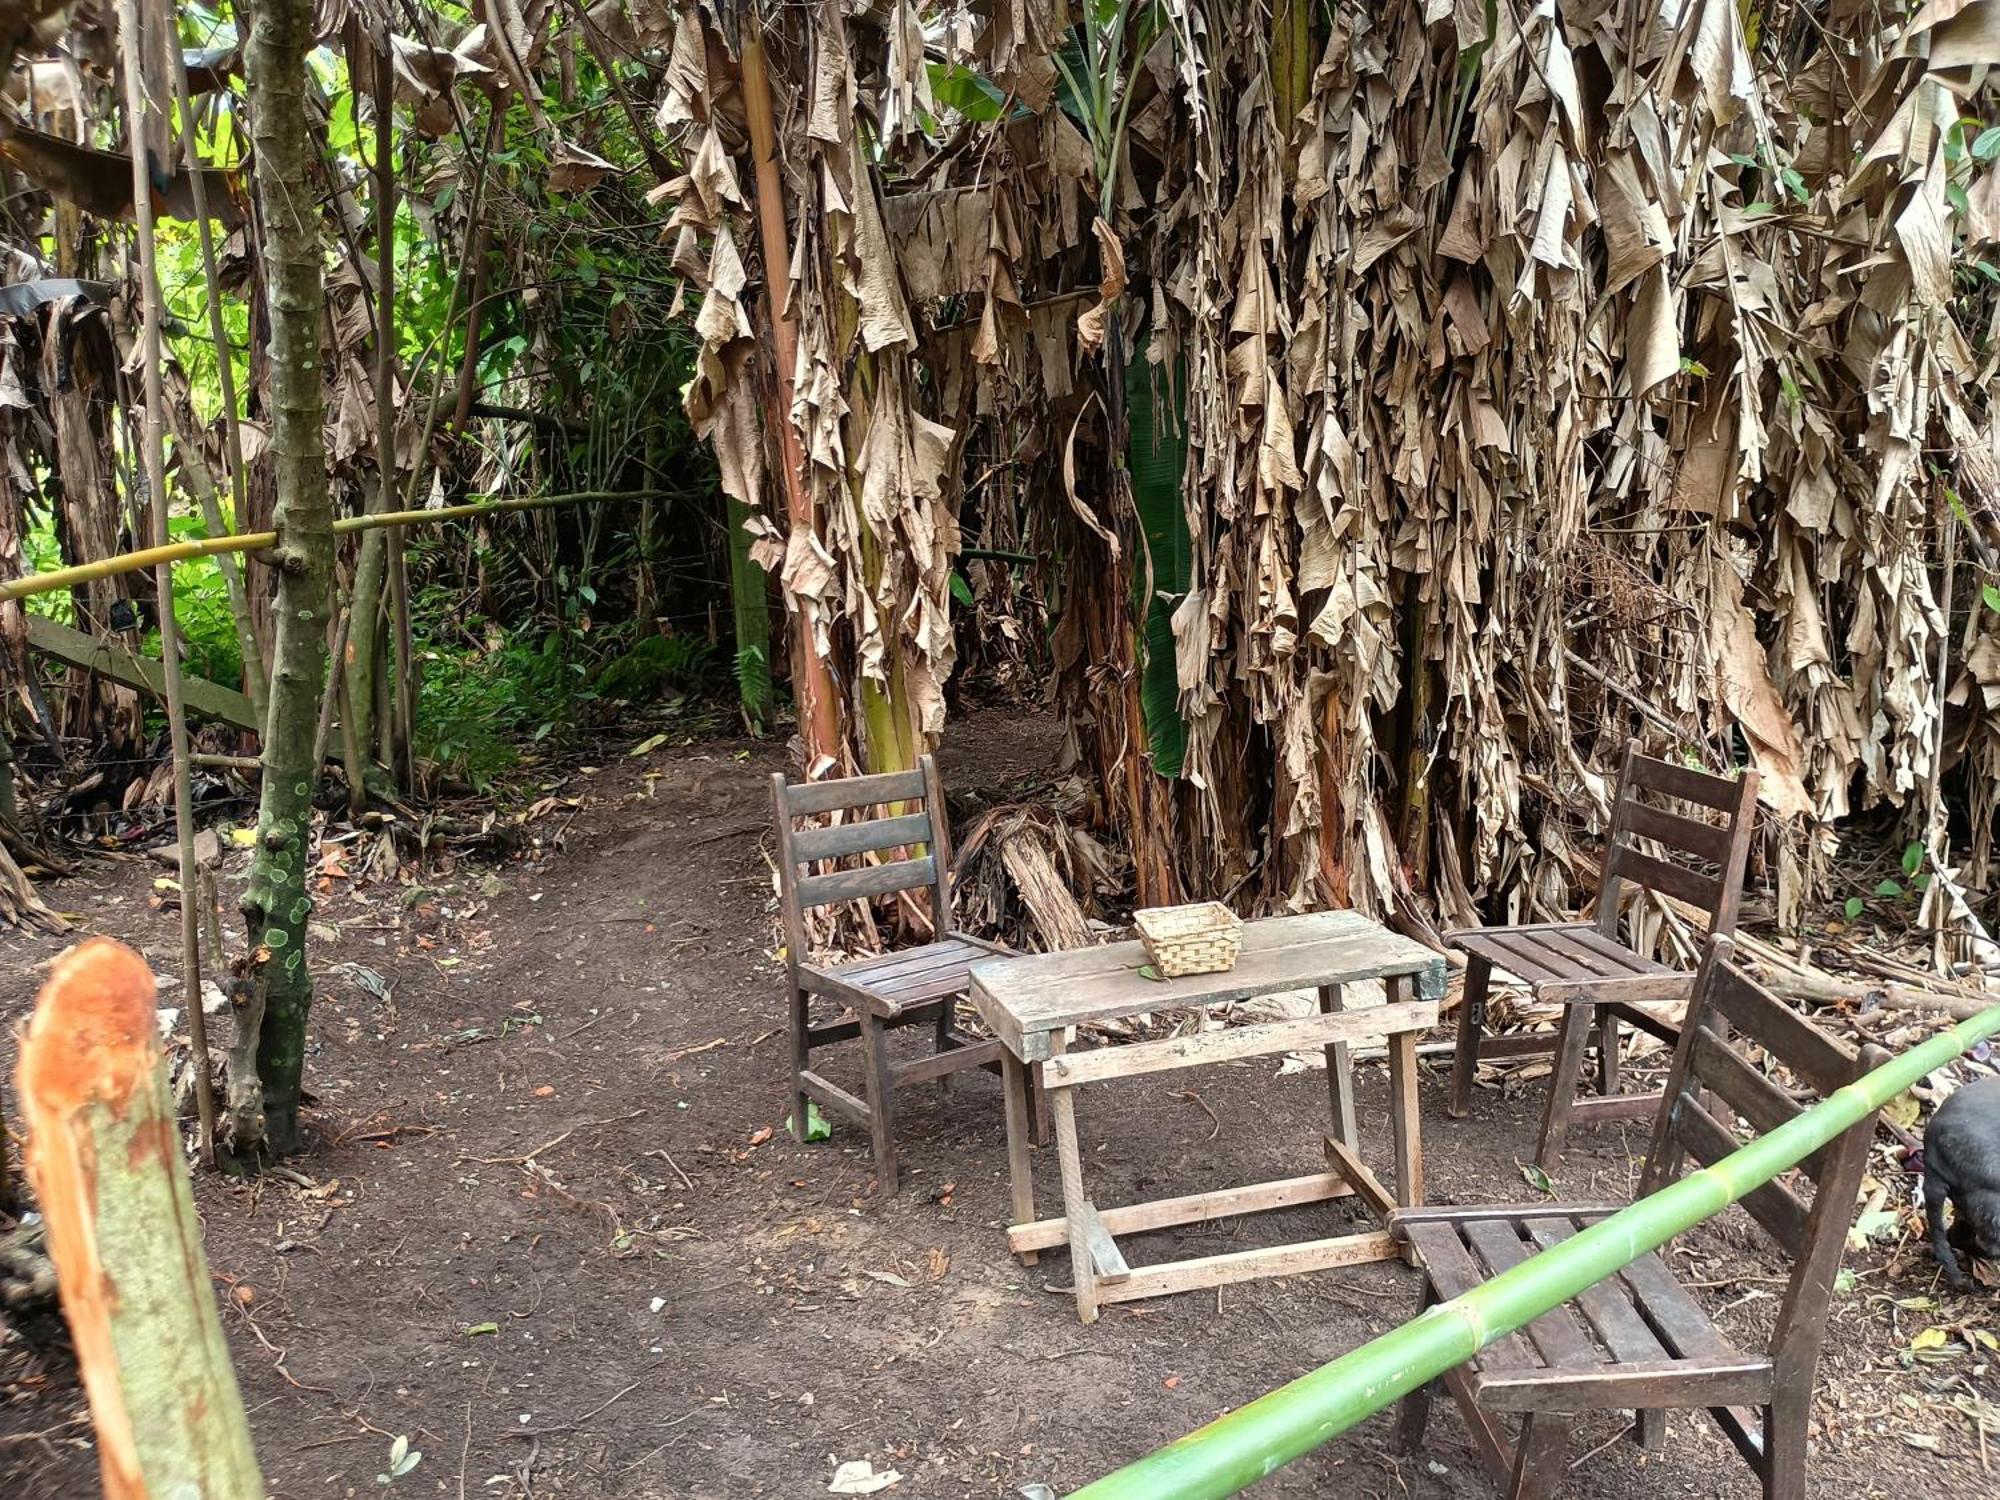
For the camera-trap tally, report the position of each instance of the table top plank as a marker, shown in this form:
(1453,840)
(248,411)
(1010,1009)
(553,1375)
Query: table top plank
(1024,998)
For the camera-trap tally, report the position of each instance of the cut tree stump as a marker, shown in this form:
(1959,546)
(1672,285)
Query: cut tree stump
(104,1158)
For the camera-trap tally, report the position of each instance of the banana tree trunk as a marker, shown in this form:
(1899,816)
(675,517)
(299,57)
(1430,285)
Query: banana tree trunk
(275,903)
(1235,1451)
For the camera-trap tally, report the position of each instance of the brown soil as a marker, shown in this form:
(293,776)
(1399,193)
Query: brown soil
(676,1301)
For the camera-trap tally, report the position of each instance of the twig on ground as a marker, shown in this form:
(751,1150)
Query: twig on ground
(1191,1094)
(576,1422)
(548,1145)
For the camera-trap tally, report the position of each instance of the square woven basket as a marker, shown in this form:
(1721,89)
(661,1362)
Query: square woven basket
(1200,939)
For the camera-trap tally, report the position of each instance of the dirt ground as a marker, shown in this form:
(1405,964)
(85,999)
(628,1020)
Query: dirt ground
(674,1300)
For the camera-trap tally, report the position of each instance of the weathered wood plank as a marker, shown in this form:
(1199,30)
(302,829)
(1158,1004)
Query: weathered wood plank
(834,1097)
(871,880)
(1611,1313)
(1363,1181)
(1662,1383)
(1700,787)
(1194,1208)
(803,798)
(1678,881)
(1709,841)
(1772,1205)
(1131,1059)
(1251,1265)
(1104,1253)
(1023,999)
(864,837)
(105,659)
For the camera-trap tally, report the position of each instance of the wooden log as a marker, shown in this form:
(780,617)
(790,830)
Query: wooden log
(105,1160)
(74,648)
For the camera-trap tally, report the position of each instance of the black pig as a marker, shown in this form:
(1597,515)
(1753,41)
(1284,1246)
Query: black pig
(1962,1166)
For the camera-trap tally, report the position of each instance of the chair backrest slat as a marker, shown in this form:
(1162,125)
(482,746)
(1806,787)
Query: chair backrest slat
(1729,1075)
(1708,1140)
(1701,863)
(803,798)
(1783,1032)
(1698,890)
(1724,998)
(911,822)
(869,880)
(1703,788)
(1691,836)
(867,837)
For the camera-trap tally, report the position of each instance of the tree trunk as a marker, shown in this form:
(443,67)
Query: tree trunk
(106,1165)
(275,903)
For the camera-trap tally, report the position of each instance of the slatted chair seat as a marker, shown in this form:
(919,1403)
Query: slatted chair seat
(1636,1332)
(1601,981)
(891,983)
(904,848)
(1573,953)
(1638,1340)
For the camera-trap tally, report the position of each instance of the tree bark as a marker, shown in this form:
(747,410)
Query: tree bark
(106,1166)
(275,903)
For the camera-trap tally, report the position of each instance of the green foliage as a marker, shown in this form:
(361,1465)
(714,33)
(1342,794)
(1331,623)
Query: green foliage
(753,684)
(476,706)
(201,608)
(1158,460)
(657,665)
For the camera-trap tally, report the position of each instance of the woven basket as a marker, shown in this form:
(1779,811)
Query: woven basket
(1200,939)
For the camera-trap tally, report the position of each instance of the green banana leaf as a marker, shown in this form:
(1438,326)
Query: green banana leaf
(1156,404)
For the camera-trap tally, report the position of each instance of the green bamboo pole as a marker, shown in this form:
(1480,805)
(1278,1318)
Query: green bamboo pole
(1236,1450)
(263,541)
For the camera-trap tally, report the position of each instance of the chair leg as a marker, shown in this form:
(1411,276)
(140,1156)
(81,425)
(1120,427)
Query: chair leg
(1538,1457)
(801,1061)
(1413,1416)
(1607,1052)
(1649,1428)
(1038,1102)
(1570,1044)
(1471,1028)
(944,1041)
(1785,1444)
(881,1102)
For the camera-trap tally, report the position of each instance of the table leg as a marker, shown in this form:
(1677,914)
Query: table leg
(1069,1158)
(1403,1118)
(1339,1075)
(1020,1169)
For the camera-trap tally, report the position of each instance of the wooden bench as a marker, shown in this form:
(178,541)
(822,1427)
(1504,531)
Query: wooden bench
(1598,979)
(892,990)
(1637,1340)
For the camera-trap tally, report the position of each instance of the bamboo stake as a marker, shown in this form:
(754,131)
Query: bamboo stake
(264,541)
(1246,1445)
(254,677)
(122,1231)
(154,461)
(402,730)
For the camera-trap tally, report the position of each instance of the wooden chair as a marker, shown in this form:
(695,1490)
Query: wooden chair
(892,990)
(1637,1340)
(1597,978)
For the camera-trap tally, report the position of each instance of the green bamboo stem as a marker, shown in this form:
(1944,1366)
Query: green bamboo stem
(264,541)
(1246,1445)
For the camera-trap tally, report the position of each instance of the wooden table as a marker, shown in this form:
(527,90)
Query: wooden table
(1029,1004)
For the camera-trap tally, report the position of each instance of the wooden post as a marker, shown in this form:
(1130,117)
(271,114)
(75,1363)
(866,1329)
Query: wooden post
(105,1161)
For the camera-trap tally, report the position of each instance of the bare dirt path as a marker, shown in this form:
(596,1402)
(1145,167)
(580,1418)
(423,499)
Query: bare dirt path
(548,1233)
